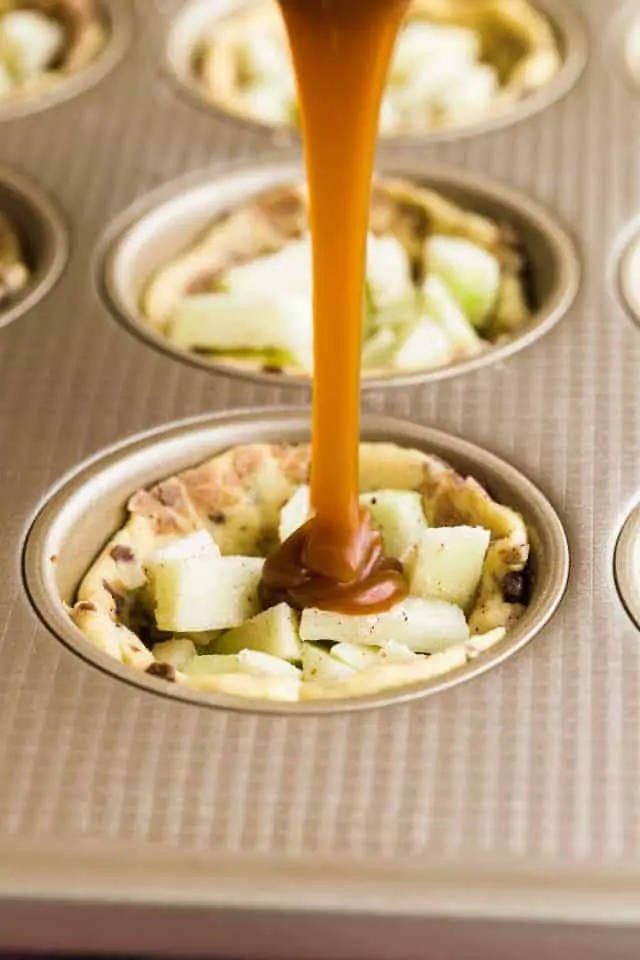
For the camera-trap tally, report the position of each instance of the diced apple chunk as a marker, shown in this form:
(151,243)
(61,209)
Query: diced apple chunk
(274,631)
(263,58)
(469,271)
(448,564)
(377,349)
(204,592)
(294,513)
(264,665)
(442,307)
(319,665)
(360,656)
(271,104)
(424,626)
(427,48)
(202,638)
(399,315)
(29,42)
(356,655)
(423,346)
(388,272)
(394,652)
(289,269)
(253,662)
(212,663)
(385,676)
(247,661)
(244,321)
(195,545)
(399,517)
(178,652)
(470,94)
(397,514)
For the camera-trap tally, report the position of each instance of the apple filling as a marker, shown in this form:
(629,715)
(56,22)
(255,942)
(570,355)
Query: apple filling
(175,591)
(455,63)
(443,285)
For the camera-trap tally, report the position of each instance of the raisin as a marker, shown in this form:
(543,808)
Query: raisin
(122,554)
(514,587)
(164,671)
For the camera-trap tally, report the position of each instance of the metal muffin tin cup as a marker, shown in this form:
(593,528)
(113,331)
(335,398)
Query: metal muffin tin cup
(623,45)
(161,225)
(626,269)
(117,17)
(87,507)
(43,236)
(627,564)
(196,16)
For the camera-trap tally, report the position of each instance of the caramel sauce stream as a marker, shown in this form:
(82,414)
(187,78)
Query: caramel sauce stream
(341,51)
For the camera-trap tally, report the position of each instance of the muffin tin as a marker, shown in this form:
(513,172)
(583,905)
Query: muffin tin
(75,524)
(447,818)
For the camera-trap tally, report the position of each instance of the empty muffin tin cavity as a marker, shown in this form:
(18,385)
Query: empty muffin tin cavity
(87,508)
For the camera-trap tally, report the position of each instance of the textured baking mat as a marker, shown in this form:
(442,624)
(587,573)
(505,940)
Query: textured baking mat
(536,763)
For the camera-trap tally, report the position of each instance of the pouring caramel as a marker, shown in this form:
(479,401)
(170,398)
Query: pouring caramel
(341,51)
